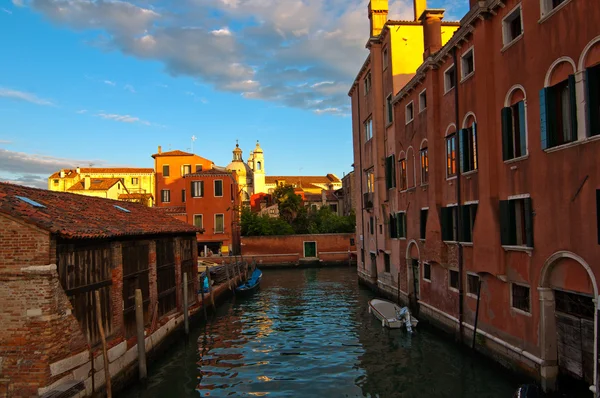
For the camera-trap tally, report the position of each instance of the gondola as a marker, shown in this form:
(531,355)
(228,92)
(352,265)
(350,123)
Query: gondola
(252,284)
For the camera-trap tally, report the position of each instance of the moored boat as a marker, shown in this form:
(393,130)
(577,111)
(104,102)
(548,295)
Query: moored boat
(252,284)
(392,315)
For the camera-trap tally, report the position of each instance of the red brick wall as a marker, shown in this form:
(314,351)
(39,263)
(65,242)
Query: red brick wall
(22,243)
(290,248)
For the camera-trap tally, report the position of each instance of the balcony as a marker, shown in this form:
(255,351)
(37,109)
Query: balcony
(368,200)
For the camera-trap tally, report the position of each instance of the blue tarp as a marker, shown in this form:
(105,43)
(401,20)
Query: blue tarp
(254,279)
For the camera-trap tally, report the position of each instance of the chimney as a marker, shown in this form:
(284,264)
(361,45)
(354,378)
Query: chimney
(86,182)
(62,174)
(159,149)
(420,6)
(78,170)
(378,11)
(432,31)
(324,196)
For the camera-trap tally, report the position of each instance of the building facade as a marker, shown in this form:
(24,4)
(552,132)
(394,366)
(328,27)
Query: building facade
(479,179)
(347,194)
(128,184)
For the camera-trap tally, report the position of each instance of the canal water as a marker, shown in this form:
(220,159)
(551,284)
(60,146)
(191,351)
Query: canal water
(308,333)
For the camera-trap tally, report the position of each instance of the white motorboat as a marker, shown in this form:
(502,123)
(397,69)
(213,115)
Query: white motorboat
(392,315)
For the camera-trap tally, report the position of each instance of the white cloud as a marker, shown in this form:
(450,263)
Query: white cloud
(18,3)
(23,96)
(129,88)
(82,111)
(221,32)
(110,83)
(122,118)
(6,11)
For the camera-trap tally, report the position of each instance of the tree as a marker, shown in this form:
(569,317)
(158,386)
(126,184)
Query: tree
(289,203)
(253,224)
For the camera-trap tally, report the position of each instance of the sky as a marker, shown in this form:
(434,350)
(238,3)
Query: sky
(104,83)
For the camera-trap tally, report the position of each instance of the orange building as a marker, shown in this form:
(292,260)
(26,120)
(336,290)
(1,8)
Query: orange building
(479,179)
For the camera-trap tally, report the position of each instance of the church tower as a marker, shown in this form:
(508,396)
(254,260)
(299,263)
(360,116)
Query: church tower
(259,169)
(243,173)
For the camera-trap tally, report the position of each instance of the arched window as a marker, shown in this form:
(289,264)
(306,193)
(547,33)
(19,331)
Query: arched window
(402,169)
(258,165)
(451,151)
(558,105)
(424,160)
(590,63)
(468,144)
(514,124)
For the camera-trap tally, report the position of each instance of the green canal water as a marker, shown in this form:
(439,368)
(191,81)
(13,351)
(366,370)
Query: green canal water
(308,333)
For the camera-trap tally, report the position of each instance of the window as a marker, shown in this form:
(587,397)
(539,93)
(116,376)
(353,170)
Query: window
(516,222)
(520,297)
(386,262)
(197,189)
(183,195)
(422,101)
(218,188)
(333,207)
(423,223)
(453,279)
(186,169)
(403,176)
(427,272)
(166,170)
(198,168)
(549,5)
(55,182)
(592,84)
(424,166)
(450,224)
(370,181)
(390,109)
(451,155)
(468,148)
(372,225)
(390,172)
(368,129)
(165,195)
(468,213)
(558,114)
(512,26)
(198,221)
(473,284)
(467,64)
(409,111)
(219,223)
(385,58)
(401,224)
(514,136)
(449,79)
(134,181)
(373,261)
(367,83)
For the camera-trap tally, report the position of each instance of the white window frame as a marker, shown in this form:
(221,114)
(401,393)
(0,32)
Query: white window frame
(162,195)
(446,88)
(513,308)
(453,289)
(422,95)
(192,189)
(464,76)
(201,218)
(467,283)
(546,9)
(410,105)
(506,40)
(215,189)
(368,126)
(423,270)
(215,225)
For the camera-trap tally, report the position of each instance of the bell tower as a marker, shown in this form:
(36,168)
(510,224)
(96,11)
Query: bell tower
(259,169)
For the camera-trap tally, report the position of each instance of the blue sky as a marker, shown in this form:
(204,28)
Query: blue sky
(106,82)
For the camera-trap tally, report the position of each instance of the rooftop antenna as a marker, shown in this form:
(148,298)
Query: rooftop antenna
(193,139)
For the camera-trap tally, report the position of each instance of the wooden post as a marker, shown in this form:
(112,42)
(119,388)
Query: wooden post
(210,291)
(141,342)
(227,274)
(202,293)
(186,321)
(104,350)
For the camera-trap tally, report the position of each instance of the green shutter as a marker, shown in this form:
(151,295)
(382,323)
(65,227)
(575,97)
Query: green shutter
(528,210)
(393,227)
(545,118)
(592,79)
(507,133)
(505,224)
(522,128)
(573,101)
(463,137)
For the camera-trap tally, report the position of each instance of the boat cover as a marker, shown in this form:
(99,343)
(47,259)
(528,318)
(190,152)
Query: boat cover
(254,278)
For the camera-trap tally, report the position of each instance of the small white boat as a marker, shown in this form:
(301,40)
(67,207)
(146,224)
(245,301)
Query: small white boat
(392,315)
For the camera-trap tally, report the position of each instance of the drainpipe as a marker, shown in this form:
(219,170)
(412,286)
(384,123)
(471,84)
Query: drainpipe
(459,220)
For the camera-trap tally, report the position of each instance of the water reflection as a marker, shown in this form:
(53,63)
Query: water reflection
(308,333)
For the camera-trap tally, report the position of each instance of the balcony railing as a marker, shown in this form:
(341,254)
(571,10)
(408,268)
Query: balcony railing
(368,200)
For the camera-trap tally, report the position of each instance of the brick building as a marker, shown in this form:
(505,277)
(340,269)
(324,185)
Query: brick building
(478,176)
(57,250)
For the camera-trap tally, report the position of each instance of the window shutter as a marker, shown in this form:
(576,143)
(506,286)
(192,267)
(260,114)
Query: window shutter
(507,130)
(528,210)
(592,79)
(545,128)
(505,223)
(573,100)
(522,128)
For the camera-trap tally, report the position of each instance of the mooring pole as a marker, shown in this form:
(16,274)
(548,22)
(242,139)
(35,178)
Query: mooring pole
(104,350)
(141,342)
(186,321)
(476,313)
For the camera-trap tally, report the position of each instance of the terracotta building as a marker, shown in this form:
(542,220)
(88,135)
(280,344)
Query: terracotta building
(123,183)
(58,249)
(478,178)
